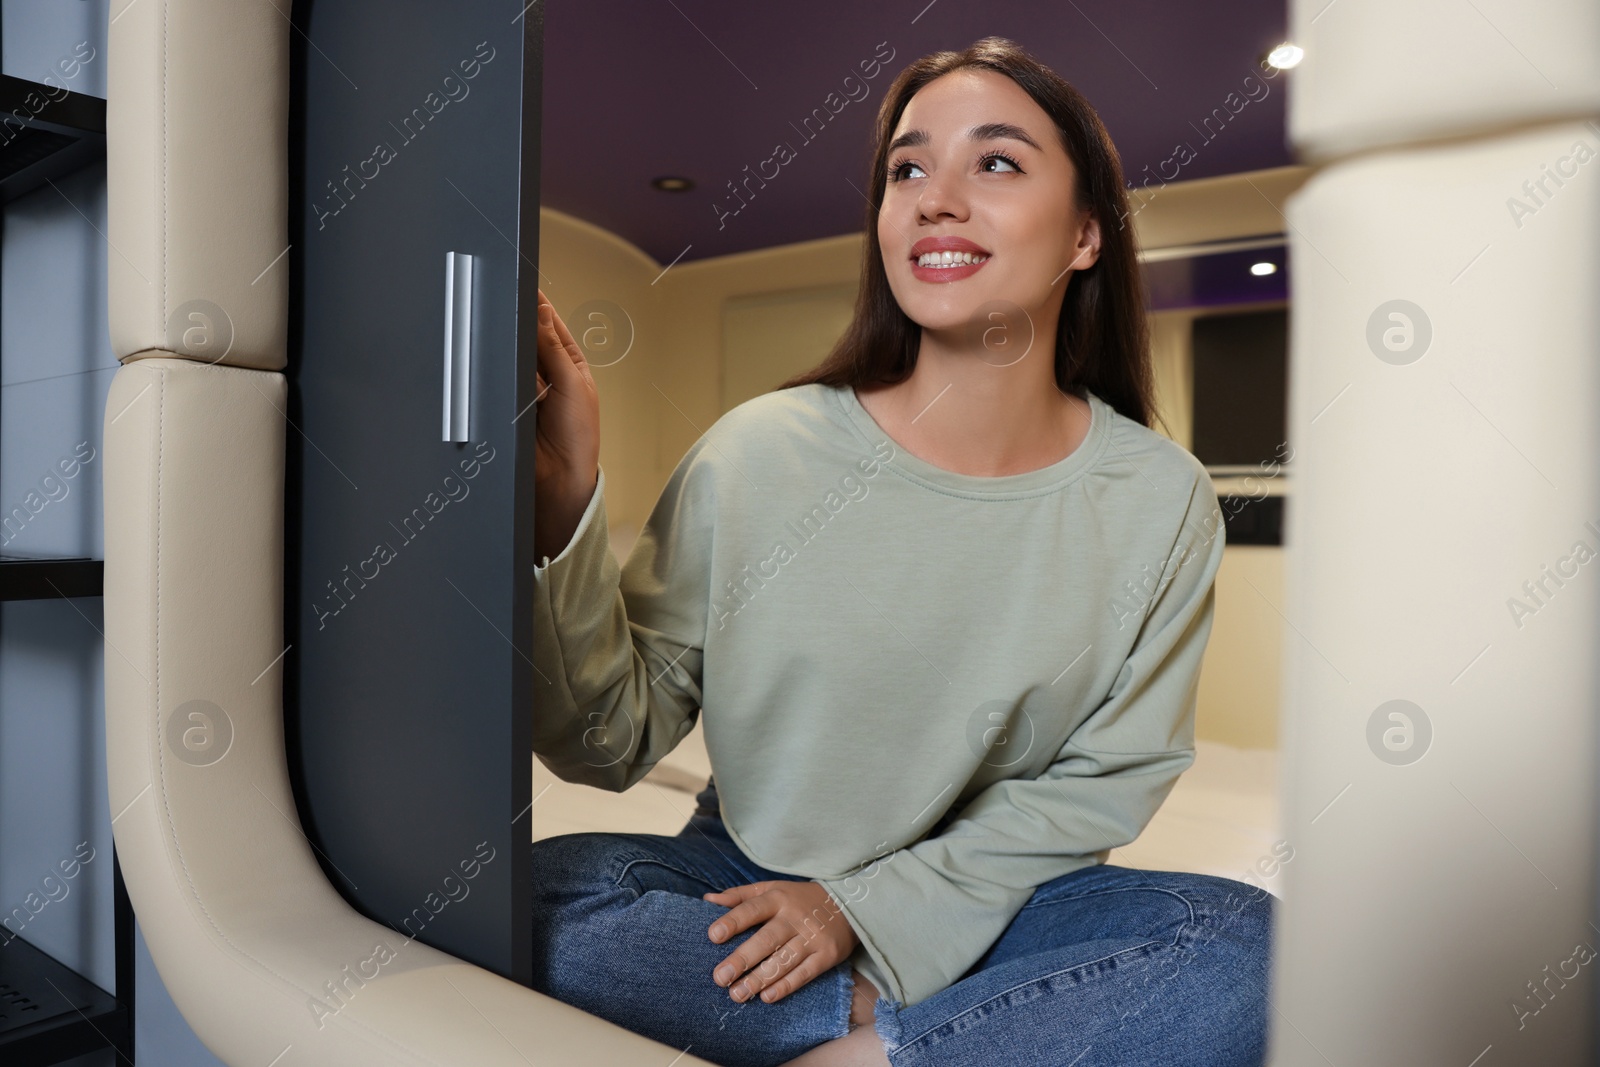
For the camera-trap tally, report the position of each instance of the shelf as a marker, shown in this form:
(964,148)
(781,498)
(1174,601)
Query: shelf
(45,578)
(49,1013)
(46,132)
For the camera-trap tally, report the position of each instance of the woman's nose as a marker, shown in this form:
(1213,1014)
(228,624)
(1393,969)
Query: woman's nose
(941,196)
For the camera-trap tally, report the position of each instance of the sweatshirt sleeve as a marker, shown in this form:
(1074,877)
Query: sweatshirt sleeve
(617,650)
(927,912)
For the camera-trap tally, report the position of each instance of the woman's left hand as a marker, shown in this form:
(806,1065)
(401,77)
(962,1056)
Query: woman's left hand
(804,935)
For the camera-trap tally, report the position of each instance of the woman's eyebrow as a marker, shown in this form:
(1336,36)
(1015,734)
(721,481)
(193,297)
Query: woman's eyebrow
(987,131)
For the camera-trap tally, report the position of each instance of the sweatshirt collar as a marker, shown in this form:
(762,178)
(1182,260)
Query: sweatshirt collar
(1006,486)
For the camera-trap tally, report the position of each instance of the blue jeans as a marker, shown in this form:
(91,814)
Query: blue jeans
(1106,965)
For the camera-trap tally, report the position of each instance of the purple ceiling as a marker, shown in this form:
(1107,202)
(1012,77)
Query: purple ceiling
(637,89)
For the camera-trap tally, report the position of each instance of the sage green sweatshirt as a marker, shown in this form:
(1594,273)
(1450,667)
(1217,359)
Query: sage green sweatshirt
(930,692)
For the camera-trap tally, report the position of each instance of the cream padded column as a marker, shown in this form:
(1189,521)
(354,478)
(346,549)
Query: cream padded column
(197,105)
(1396,72)
(1443,583)
(261,955)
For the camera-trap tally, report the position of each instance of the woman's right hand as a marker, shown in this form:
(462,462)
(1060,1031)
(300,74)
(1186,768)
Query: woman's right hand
(567,452)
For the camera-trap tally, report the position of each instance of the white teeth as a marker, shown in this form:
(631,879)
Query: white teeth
(950,259)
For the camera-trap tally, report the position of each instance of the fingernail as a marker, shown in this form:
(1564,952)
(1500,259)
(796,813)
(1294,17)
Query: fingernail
(718,931)
(741,991)
(724,973)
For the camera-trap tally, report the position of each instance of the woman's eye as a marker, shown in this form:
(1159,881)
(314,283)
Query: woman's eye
(895,172)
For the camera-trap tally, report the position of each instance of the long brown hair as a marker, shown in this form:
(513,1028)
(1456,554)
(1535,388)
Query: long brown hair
(1103,338)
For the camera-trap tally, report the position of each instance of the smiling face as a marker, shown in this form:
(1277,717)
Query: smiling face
(976,170)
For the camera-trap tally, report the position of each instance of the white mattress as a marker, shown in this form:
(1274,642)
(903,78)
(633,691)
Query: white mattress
(1221,818)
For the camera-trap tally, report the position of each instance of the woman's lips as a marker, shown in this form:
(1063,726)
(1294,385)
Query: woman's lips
(946,274)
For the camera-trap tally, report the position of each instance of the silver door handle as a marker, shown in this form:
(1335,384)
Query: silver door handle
(457,344)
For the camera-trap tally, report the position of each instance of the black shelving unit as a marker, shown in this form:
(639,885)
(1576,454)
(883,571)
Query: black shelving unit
(50,1013)
(42,578)
(45,132)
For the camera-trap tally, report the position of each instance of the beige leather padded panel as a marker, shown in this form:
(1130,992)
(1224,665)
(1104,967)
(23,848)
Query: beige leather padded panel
(1378,74)
(259,952)
(197,101)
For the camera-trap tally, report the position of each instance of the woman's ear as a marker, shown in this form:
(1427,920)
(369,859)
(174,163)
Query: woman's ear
(1087,251)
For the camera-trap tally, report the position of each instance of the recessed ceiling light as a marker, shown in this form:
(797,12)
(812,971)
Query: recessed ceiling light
(673,184)
(1259,269)
(1285,55)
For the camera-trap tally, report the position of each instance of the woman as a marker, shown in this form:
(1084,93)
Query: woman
(943,603)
